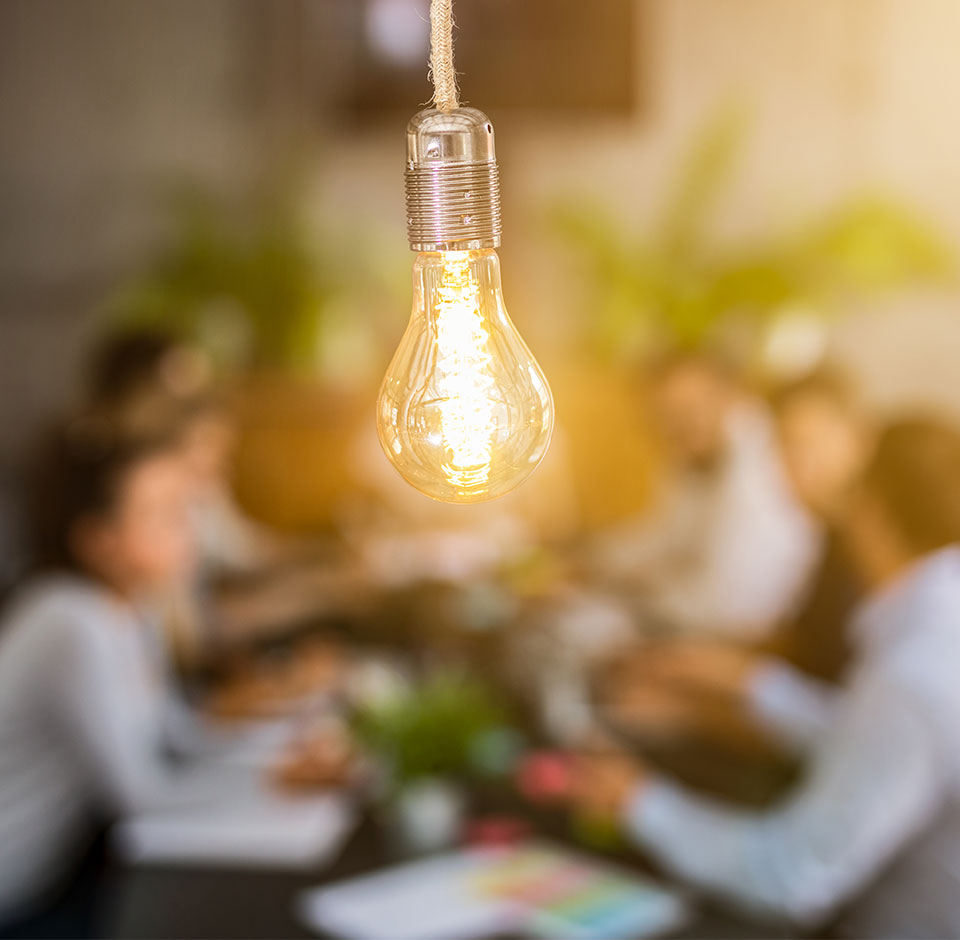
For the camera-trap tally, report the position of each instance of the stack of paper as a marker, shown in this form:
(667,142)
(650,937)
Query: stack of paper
(270,831)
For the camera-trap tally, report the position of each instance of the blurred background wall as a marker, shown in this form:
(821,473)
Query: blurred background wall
(105,103)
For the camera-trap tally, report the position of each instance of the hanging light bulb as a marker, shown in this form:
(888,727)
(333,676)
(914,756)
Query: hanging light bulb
(464,413)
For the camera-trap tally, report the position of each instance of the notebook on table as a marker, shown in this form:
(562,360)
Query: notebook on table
(535,888)
(268,832)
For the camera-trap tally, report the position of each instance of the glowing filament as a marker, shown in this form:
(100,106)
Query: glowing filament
(464,375)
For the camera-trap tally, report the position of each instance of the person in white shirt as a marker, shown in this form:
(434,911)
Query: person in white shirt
(724,553)
(726,549)
(86,718)
(685,690)
(871,835)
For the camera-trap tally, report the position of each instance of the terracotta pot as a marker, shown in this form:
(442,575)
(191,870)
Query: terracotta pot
(294,448)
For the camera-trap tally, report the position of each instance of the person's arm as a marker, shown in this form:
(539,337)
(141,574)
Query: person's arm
(118,729)
(792,707)
(190,734)
(873,785)
(723,682)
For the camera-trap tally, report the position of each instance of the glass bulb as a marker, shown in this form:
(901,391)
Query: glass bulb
(464,413)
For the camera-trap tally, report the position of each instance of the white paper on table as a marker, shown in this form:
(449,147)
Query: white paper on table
(428,900)
(270,831)
(556,895)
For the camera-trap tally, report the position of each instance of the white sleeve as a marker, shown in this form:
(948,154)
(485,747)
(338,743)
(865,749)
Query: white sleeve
(758,546)
(190,734)
(794,707)
(876,782)
(121,737)
(751,573)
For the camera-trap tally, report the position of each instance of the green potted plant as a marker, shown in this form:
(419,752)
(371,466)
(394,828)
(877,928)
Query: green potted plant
(668,281)
(430,739)
(673,285)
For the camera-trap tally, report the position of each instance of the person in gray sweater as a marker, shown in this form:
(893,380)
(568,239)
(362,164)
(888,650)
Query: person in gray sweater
(83,697)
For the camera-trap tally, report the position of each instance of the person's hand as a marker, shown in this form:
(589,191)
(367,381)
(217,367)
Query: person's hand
(326,758)
(603,782)
(316,666)
(722,668)
(267,688)
(248,693)
(650,709)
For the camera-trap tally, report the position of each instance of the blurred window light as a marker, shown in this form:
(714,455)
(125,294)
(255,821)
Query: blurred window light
(398,31)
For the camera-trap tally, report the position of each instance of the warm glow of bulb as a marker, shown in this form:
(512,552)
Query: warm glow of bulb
(464,374)
(464,413)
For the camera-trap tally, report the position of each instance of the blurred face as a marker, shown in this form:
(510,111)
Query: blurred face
(823,450)
(691,407)
(872,539)
(208,447)
(184,371)
(145,541)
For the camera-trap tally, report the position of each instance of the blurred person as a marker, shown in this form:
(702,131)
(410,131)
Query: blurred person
(132,363)
(249,581)
(79,699)
(87,723)
(147,376)
(874,826)
(228,541)
(826,439)
(258,583)
(120,367)
(724,552)
(693,685)
(726,548)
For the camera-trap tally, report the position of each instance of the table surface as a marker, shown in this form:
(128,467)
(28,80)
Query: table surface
(203,902)
(153,901)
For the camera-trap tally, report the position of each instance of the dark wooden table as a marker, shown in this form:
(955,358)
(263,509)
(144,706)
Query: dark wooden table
(173,902)
(205,902)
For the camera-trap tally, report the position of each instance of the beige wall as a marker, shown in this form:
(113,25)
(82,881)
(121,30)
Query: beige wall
(843,94)
(101,102)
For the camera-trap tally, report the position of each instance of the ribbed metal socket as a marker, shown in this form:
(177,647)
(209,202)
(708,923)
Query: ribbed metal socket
(452,182)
